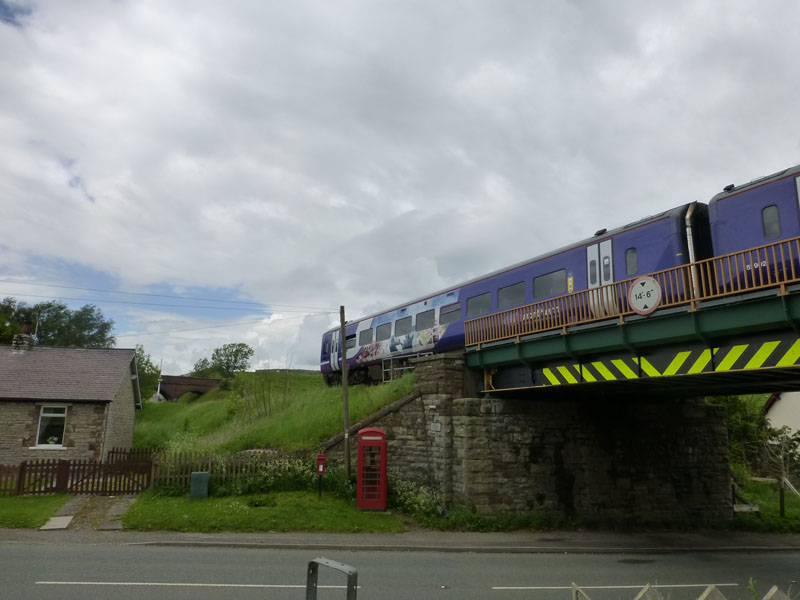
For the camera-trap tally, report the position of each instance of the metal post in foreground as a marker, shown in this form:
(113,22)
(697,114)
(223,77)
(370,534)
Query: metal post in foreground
(343,362)
(311,578)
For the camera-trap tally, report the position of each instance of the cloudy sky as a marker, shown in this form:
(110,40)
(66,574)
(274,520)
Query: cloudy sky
(234,171)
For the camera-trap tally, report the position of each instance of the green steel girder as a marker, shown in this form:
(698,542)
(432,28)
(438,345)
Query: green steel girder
(712,322)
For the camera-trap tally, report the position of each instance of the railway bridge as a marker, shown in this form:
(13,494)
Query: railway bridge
(592,404)
(724,325)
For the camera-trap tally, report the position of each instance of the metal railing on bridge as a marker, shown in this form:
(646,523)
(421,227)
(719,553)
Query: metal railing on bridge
(769,266)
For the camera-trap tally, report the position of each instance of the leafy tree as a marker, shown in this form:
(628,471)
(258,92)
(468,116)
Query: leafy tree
(56,324)
(149,374)
(748,428)
(231,358)
(203,368)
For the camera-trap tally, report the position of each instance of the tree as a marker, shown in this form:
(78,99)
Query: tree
(203,368)
(57,325)
(231,358)
(149,374)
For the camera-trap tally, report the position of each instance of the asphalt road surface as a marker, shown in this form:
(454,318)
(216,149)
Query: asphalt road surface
(142,572)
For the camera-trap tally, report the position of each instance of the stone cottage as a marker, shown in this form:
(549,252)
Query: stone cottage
(65,402)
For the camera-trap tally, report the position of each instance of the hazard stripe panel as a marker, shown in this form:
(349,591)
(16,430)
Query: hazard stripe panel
(761,352)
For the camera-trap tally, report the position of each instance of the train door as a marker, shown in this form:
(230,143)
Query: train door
(599,273)
(335,351)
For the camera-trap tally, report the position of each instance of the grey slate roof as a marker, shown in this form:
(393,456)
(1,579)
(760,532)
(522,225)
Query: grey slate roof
(76,374)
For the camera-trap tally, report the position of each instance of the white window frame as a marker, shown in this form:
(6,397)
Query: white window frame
(43,413)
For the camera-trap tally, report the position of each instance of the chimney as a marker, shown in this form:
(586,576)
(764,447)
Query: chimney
(23,341)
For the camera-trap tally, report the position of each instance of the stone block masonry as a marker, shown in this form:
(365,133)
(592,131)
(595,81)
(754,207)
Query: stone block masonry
(613,460)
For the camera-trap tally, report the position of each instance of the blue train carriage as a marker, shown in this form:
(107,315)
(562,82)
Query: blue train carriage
(656,243)
(436,323)
(749,225)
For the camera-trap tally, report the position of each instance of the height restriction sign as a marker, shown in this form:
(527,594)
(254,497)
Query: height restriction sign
(644,295)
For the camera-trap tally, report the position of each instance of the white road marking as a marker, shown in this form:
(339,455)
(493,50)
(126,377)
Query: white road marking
(210,585)
(615,587)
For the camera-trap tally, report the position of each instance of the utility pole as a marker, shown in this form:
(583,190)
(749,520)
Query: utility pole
(343,363)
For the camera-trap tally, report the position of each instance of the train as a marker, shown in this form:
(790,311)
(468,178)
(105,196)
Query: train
(763,211)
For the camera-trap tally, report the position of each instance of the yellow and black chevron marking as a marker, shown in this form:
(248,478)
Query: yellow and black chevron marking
(763,353)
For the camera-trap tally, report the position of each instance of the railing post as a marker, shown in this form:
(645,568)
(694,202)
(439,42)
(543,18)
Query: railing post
(21,477)
(311,578)
(62,476)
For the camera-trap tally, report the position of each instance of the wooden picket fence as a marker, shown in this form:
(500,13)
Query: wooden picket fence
(176,469)
(76,476)
(127,471)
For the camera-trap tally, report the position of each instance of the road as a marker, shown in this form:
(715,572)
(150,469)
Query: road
(139,572)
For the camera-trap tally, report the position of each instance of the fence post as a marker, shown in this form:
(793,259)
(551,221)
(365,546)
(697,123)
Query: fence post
(62,476)
(21,477)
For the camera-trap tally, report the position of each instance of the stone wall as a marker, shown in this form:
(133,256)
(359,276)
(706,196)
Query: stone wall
(642,460)
(83,433)
(121,417)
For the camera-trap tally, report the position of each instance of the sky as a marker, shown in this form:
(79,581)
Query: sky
(221,172)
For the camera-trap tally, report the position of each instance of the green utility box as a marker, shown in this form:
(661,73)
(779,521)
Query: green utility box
(198,487)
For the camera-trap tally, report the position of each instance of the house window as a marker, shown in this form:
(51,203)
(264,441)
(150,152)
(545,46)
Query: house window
(52,421)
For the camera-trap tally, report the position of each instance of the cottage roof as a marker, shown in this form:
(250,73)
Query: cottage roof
(75,374)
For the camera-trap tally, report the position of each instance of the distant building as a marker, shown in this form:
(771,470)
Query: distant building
(783,409)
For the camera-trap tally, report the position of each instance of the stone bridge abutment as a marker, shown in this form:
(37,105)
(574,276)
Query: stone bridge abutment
(642,460)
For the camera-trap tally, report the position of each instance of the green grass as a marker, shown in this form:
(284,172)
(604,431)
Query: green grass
(768,519)
(293,411)
(29,511)
(276,511)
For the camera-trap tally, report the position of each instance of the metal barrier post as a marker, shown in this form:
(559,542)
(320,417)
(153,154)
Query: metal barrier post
(311,578)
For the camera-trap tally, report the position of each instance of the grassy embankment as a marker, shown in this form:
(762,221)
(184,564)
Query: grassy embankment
(290,411)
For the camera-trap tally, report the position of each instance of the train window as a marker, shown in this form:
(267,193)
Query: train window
(351,341)
(327,348)
(771,221)
(606,268)
(479,305)
(552,284)
(425,319)
(511,295)
(631,261)
(450,313)
(365,337)
(383,332)
(592,273)
(402,326)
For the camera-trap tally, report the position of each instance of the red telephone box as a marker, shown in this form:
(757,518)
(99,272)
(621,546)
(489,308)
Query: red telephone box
(371,473)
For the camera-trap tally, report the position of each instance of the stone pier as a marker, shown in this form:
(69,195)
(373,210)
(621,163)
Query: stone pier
(616,460)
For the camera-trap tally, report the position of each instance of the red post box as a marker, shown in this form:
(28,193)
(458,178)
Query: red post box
(321,464)
(371,470)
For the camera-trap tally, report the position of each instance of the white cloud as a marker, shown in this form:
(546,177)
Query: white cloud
(363,153)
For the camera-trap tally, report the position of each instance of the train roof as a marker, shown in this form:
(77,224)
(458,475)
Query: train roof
(598,237)
(732,190)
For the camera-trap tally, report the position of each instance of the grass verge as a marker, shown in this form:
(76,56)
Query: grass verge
(768,518)
(29,511)
(275,511)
